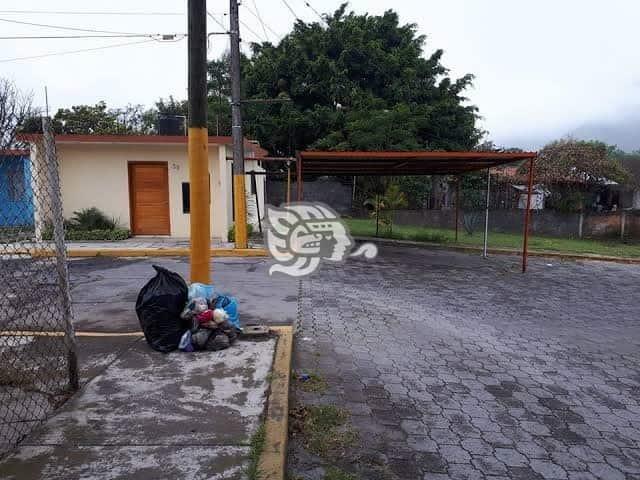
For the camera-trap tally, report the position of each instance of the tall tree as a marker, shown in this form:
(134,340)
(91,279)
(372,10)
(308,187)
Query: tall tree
(98,120)
(355,82)
(588,162)
(219,91)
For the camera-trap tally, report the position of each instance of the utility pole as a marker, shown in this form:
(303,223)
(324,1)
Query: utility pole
(200,193)
(239,196)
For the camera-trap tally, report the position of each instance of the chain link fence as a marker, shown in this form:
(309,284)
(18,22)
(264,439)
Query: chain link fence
(38,363)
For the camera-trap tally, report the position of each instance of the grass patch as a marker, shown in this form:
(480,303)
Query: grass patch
(314,383)
(324,430)
(334,473)
(256,447)
(613,248)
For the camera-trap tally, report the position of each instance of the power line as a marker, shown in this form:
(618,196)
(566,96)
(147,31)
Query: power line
(259,37)
(257,14)
(69,52)
(217,21)
(295,15)
(52,37)
(59,27)
(67,12)
(315,11)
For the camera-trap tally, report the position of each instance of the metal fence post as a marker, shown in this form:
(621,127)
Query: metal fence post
(57,220)
(486,216)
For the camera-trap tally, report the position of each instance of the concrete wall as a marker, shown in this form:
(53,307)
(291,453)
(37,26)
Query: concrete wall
(96,175)
(543,222)
(326,190)
(252,205)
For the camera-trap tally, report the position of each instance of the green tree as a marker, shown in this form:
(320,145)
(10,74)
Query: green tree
(86,119)
(382,206)
(99,120)
(568,160)
(219,93)
(168,106)
(571,169)
(355,82)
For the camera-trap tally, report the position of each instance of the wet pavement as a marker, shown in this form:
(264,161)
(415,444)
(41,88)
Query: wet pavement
(455,367)
(142,414)
(148,415)
(104,290)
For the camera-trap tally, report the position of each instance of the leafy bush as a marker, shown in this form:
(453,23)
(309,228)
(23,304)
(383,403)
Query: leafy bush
(96,234)
(105,235)
(91,219)
(231,234)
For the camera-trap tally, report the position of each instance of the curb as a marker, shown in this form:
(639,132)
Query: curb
(273,458)
(145,252)
(503,251)
(53,333)
(274,455)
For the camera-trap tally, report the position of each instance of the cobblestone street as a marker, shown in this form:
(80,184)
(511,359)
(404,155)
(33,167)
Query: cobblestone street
(452,366)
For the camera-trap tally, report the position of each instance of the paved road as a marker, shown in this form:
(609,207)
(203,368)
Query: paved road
(104,290)
(457,367)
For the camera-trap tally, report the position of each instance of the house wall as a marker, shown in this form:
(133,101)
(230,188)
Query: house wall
(16,199)
(96,175)
(252,205)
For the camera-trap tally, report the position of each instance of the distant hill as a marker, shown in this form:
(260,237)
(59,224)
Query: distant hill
(625,133)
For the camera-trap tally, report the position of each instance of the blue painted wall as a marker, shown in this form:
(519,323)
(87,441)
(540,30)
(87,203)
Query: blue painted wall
(16,200)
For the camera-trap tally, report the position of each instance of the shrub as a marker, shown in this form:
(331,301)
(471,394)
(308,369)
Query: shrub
(91,219)
(96,234)
(105,235)
(231,234)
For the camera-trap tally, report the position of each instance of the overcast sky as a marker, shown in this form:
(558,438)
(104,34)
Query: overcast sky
(543,68)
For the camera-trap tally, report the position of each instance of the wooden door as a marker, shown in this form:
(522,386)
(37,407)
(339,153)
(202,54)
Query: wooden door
(149,197)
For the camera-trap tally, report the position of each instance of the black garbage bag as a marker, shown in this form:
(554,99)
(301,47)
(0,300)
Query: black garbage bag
(158,307)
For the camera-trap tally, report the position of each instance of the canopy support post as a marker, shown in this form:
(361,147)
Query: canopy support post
(457,206)
(486,215)
(527,219)
(288,182)
(299,180)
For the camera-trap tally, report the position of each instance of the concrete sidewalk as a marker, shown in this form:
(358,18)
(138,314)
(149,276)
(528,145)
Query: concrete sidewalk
(145,415)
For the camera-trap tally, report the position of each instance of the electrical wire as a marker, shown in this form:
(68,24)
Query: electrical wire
(51,37)
(314,11)
(257,14)
(58,27)
(217,21)
(69,52)
(291,9)
(59,12)
(253,32)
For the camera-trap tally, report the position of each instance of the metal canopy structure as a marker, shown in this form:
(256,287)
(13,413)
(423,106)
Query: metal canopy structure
(416,163)
(403,163)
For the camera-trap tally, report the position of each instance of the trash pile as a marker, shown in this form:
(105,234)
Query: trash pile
(196,317)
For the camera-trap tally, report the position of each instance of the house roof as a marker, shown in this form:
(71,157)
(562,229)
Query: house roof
(251,146)
(404,163)
(14,152)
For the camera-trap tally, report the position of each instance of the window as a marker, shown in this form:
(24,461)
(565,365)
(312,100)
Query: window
(186,201)
(186,196)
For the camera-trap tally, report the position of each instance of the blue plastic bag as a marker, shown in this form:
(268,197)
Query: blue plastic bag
(185,342)
(202,290)
(229,305)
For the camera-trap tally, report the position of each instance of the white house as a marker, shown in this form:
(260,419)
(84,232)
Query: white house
(143,181)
